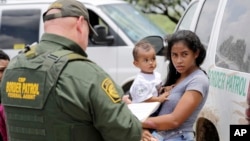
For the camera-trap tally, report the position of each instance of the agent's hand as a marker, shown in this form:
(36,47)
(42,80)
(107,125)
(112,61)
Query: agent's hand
(126,99)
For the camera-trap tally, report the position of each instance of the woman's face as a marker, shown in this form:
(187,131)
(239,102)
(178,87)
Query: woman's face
(183,58)
(3,65)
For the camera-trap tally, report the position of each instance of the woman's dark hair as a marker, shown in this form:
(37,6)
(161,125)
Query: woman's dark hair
(193,43)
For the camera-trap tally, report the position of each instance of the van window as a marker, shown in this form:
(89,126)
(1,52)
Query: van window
(188,17)
(19,27)
(206,20)
(97,20)
(133,24)
(233,48)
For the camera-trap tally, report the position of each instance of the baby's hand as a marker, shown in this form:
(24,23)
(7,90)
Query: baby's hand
(168,88)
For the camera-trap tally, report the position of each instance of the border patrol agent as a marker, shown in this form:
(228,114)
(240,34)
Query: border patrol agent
(52,92)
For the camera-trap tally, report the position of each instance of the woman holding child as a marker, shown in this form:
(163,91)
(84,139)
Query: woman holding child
(177,115)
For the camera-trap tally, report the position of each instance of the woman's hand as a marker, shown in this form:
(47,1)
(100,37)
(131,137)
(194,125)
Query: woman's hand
(163,97)
(147,136)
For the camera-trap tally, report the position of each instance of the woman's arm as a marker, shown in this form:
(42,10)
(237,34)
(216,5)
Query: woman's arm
(185,107)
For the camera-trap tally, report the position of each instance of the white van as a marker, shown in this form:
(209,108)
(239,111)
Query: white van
(223,27)
(119,23)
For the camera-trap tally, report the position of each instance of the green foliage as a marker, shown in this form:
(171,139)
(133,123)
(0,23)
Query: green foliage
(173,9)
(164,13)
(163,22)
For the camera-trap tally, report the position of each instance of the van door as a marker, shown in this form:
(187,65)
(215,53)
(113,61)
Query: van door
(230,55)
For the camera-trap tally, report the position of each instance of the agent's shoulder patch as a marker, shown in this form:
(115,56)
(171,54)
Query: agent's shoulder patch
(109,87)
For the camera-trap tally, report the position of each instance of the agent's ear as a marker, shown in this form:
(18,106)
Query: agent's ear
(80,23)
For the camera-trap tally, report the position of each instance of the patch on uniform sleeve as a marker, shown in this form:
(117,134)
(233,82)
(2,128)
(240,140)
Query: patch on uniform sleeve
(109,87)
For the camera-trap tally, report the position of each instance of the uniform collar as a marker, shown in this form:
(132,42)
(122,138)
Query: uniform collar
(63,42)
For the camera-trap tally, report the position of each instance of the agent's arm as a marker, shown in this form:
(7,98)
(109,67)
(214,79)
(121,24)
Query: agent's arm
(111,115)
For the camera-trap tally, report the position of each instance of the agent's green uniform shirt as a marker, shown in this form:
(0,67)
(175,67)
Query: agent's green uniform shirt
(89,99)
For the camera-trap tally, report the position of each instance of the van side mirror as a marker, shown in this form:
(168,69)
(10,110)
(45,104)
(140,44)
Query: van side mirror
(157,42)
(102,38)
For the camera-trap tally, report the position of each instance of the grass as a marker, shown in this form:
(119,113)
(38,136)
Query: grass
(163,22)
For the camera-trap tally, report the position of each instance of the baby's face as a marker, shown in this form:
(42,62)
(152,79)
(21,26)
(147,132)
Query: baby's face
(146,60)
